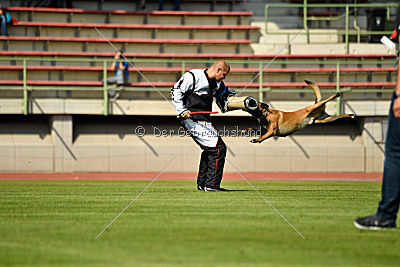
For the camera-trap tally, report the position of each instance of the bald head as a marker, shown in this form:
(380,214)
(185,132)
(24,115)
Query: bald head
(219,70)
(220,64)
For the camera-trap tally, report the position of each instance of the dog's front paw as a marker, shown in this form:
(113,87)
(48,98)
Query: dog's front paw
(255,141)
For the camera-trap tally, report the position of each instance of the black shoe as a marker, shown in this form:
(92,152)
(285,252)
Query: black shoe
(200,187)
(373,222)
(217,189)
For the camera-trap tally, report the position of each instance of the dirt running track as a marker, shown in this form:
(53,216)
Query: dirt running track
(131,176)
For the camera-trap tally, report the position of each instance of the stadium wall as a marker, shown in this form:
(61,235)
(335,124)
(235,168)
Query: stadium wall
(85,143)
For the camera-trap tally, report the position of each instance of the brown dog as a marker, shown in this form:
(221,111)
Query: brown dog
(280,123)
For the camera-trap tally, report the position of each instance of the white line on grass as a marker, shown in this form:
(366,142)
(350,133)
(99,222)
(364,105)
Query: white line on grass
(272,60)
(266,200)
(130,63)
(133,200)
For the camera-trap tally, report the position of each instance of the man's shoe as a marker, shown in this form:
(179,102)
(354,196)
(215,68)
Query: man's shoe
(217,189)
(200,188)
(373,222)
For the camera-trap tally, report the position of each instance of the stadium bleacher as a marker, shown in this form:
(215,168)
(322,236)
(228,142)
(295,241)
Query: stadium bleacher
(138,30)
(54,61)
(123,16)
(183,37)
(84,74)
(142,45)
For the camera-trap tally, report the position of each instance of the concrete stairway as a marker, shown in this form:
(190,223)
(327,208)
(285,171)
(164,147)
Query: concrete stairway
(322,41)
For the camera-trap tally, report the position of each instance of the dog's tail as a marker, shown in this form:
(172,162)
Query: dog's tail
(316,90)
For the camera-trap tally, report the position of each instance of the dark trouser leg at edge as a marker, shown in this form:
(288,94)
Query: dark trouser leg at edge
(203,168)
(216,162)
(389,205)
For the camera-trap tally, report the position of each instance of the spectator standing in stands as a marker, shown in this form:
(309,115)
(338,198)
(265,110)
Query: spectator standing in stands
(143,4)
(176,7)
(121,75)
(388,207)
(3,22)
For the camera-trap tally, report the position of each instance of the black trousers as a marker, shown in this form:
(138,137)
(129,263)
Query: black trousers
(389,205)
(211,165)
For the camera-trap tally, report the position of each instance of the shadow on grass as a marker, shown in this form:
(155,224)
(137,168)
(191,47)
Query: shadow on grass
(232,190)
(239,190)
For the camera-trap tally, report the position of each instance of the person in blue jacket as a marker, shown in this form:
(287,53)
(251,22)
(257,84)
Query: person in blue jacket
(4,19)
(121,74)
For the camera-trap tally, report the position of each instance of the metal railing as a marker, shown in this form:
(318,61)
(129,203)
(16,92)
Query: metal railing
(346,32)
(25,87)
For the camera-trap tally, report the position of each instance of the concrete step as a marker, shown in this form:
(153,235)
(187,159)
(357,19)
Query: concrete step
(320,43)
(286,21)
(276,35)
(318,49)
(340,49)
(362,22)
(318,36)
(296,21)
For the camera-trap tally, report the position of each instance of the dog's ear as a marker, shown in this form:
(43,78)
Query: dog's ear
(264,106)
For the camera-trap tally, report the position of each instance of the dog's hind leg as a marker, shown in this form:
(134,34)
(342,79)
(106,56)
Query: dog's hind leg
(321,103)
(333,118)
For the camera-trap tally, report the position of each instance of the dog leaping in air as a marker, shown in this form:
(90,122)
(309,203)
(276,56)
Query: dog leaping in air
(281,123)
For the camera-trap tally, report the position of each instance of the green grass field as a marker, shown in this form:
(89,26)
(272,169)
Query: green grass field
(52,223)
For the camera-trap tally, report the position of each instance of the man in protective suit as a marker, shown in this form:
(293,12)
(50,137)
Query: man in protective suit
(192,97)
